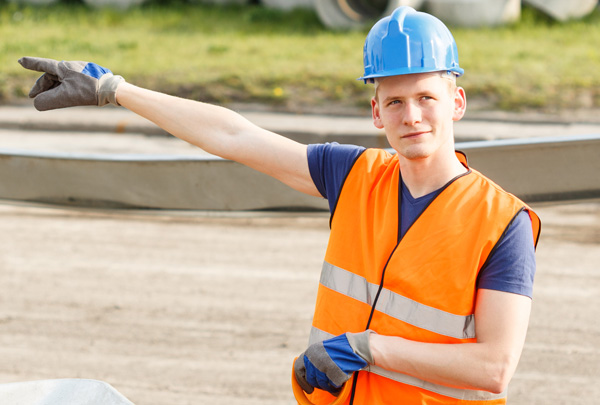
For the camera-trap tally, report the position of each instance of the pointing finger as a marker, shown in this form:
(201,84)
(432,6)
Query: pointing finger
(40,64)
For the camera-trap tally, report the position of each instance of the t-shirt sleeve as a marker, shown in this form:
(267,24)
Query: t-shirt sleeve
(329,165)
(511,266)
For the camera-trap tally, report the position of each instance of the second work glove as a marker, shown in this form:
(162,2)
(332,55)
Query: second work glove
(329,364)
(69,84)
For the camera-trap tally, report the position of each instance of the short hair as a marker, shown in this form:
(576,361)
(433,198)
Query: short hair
(444,74)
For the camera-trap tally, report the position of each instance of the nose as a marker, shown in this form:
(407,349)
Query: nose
(412,114)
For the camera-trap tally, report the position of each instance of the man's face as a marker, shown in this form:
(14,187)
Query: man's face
(417,113)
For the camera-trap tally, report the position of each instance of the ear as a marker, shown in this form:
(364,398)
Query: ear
(376,114)
(460,104)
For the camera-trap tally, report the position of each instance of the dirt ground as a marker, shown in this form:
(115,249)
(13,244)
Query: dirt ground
(196,308)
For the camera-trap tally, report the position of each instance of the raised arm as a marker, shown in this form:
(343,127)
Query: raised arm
(217,130)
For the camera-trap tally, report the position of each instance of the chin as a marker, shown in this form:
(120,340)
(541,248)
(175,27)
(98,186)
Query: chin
(414,153)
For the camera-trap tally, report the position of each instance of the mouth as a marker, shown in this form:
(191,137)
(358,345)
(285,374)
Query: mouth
(415,134)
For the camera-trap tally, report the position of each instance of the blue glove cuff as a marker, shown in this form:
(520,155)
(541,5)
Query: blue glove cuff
(343,355)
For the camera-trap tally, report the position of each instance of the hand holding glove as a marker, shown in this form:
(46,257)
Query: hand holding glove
(329,364)
(69,84)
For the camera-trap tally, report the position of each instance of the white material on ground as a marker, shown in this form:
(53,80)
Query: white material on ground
(61,392)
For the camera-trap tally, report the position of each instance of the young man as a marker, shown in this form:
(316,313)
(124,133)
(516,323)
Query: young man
(426,287)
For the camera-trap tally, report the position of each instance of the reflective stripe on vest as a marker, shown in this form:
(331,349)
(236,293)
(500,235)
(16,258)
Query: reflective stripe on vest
(397,306)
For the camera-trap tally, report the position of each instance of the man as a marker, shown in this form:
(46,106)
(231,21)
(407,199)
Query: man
(425,292)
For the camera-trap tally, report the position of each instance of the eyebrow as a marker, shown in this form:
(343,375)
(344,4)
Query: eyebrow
(390,98)
(417,95)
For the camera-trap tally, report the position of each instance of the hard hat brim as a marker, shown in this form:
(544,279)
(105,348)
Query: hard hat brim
(409,71)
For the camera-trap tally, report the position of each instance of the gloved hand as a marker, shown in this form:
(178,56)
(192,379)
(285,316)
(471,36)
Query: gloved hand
(329,364)
(68,84)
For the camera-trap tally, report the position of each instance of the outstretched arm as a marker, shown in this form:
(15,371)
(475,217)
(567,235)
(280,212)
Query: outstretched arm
(224,133)
(501,321)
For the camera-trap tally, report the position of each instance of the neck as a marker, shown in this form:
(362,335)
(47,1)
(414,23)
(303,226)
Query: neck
(424,176)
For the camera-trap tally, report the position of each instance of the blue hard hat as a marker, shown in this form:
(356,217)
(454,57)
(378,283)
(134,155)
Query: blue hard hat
(406,42)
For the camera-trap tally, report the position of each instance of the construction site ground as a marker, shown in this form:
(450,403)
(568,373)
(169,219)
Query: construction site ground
(176,308)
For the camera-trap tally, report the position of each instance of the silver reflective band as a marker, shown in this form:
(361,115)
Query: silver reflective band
(397,306)
(457,393)
(317,335)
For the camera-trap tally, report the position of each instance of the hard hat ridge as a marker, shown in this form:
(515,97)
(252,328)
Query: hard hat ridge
(406,42)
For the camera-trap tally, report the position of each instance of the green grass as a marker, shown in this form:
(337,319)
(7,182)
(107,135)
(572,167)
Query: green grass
(289,60)
(536,63)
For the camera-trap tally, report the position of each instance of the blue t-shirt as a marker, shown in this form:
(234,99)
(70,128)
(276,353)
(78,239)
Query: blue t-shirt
(509,268)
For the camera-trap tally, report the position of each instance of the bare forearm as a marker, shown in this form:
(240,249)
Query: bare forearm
(468,365)
(204,125)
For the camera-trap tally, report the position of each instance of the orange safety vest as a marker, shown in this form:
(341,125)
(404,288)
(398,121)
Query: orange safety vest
(423,286)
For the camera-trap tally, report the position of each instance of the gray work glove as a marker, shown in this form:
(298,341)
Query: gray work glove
(69,84)
(329,364)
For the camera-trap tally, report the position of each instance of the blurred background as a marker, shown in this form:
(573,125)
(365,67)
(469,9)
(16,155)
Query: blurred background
(178,305)
(304,56)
